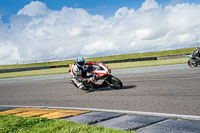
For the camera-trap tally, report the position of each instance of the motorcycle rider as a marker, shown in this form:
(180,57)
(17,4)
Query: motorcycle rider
(79,73)
(196,53)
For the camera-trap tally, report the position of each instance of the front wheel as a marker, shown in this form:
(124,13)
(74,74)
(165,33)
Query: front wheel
(192,63)
(116,83)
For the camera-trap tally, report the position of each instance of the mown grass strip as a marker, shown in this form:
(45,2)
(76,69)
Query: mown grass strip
(111,66)
(35,72)
(104,58)
(16,124)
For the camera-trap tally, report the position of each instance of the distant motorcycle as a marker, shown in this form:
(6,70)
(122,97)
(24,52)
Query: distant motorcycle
(103,78)
(194,60)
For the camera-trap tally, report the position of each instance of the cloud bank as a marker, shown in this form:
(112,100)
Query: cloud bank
(38,33)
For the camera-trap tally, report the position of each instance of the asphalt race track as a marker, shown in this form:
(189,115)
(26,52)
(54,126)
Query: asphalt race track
(173,89)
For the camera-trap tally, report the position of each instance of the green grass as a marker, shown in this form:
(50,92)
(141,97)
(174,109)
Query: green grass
(16,124)
(35,72)
(104,58)
(111,66)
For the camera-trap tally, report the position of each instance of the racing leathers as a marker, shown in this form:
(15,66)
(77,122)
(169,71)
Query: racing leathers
(79,73)
(196,53)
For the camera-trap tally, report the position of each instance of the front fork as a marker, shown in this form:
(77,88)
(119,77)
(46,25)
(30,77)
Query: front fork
(195,61)
(108,81)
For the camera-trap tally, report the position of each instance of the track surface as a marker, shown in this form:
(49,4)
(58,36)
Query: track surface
(171,89)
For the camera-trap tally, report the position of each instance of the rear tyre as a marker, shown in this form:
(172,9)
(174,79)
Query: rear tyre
(192,63)
(116,83)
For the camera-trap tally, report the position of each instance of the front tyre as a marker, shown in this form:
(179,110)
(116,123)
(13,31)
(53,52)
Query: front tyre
(116,83)
(192,63)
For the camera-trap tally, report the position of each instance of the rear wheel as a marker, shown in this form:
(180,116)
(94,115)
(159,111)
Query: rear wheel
(116,83)
(192,63)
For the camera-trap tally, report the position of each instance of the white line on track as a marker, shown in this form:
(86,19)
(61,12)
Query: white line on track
(173,116)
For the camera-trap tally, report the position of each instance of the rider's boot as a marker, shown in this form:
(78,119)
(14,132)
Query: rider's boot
(83,88)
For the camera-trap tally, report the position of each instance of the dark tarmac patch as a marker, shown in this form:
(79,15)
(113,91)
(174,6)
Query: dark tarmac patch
(93,117)
(2,108)
(172,126)
(130,122)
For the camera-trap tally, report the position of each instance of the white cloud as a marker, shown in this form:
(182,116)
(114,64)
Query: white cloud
(8,53)
(58,50)
(123,12)
(148,5)
(38,33)
(185,38)
(98,46)
(75,31)
(35,8)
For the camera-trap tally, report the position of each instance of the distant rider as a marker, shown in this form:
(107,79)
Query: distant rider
(196,53)
(79,72)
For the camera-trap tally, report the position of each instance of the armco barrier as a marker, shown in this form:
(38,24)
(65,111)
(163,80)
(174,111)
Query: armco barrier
(30,68)
(172,56)
(23,69)
(131,60)
(59,66)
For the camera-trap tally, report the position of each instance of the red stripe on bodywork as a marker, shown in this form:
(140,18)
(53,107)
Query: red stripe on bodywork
(73,70)
(90,63)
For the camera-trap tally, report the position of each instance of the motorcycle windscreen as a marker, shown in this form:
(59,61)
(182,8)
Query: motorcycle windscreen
(189,56)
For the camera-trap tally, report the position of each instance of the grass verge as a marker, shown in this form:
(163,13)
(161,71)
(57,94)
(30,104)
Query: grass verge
(35,72)
(111,66)
(16,124)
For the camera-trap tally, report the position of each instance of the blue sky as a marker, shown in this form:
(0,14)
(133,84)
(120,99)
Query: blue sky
(64,29)
(106,8)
